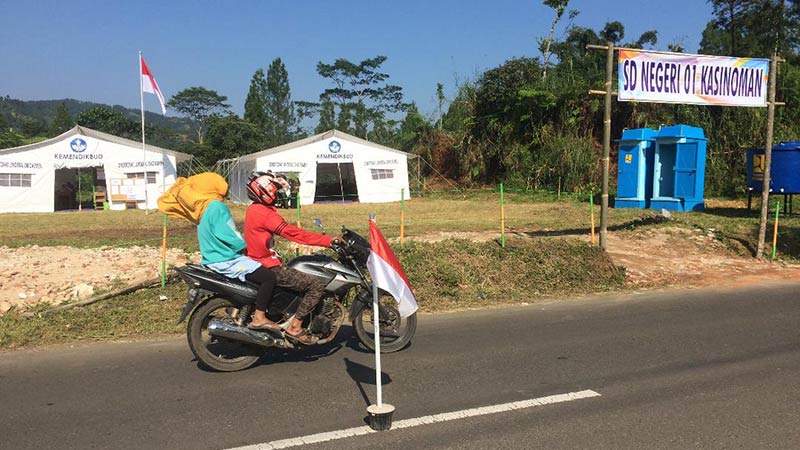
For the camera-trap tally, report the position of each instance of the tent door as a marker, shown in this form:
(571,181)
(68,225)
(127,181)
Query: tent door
(336,182)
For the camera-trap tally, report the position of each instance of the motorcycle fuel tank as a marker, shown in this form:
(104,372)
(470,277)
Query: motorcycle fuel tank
(336,275)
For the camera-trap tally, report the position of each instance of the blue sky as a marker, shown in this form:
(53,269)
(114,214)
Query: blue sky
(88,50)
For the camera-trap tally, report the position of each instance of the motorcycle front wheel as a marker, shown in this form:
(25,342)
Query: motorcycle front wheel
(217,353)
(395,332)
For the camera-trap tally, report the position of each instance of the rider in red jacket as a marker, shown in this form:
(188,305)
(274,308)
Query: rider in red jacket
(261,223)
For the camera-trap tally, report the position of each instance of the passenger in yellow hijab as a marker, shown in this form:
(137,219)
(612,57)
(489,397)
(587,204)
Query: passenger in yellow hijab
(188,198)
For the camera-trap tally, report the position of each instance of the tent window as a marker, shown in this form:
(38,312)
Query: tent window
(382,174)
(15,179)
(151,176)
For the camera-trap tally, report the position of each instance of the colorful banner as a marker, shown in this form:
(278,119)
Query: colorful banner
(658,77)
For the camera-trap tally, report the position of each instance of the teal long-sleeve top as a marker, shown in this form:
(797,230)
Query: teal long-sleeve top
(217,234)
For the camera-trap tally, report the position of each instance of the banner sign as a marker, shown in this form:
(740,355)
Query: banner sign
(658,77)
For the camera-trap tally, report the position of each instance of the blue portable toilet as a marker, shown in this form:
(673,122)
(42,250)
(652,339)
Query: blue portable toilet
(679,167)
(635,168)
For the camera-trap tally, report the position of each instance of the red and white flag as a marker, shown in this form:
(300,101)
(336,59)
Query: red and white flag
(149,83)
(386,272)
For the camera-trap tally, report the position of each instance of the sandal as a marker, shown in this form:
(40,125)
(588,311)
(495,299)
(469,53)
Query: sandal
(268,325)
(304,337)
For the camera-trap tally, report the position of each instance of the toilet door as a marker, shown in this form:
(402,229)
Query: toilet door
(686,170)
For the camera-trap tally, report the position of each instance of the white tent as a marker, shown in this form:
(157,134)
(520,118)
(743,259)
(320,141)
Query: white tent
(330,167)
(44,177)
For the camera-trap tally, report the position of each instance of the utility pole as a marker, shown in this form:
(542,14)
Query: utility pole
(609,48)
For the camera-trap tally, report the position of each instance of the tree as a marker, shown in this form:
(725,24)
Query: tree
(199,103)
(62,122)
(410,128)
(10,138)
(111,122)
(361,93)
(440,102)
(255,108)
(327,116)
(229,137)
(559,6)
(280,117)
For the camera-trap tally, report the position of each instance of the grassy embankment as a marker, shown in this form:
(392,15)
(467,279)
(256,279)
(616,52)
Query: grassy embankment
(450,274)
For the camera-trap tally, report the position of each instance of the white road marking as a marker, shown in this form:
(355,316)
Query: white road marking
(424,420)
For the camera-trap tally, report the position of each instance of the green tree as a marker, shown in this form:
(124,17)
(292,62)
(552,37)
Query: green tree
(229,137)
(280,116)
(327,116)
(255,109)
(439,103)
(410,127)
(560,6)
(10,138)
(360,92)
(111,122)
(199,103)
(62,122)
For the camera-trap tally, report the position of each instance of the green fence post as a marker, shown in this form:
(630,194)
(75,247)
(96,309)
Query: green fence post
(502,218)
(775,232)
(402,214)
(591,212)
(297,201)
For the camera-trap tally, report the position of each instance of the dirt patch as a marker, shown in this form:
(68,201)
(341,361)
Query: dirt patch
(33,275)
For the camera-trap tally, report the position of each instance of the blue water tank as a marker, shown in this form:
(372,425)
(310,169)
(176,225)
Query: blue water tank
(784,168)
(635,168)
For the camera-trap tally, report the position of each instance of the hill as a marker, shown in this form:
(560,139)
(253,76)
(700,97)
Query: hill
(17,113)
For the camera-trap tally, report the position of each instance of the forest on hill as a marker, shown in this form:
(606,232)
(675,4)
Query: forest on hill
(529,122)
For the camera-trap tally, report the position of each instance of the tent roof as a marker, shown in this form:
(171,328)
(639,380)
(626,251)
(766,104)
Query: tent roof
(317,138)
(83,131)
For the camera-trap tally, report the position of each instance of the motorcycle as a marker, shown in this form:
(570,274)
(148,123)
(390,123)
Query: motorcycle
(219,308)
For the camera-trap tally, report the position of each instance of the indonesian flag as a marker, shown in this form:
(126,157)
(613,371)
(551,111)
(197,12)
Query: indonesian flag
(149,83)
(386,272)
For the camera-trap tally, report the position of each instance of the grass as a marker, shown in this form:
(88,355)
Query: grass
(445,275)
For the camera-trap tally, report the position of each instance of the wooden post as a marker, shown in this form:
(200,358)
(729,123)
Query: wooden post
(609,48)
(762,228)
(606,146)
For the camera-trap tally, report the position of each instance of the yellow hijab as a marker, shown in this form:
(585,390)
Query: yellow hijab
(188,198)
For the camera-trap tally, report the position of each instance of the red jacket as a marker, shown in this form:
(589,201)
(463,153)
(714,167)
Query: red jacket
(262,222)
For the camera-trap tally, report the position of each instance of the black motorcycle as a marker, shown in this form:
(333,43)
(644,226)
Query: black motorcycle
(219,309)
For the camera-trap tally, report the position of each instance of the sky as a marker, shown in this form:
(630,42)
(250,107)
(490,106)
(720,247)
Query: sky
(53,49)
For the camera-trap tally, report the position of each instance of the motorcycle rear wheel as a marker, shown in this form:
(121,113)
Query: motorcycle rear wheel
(216,353)
(396,332)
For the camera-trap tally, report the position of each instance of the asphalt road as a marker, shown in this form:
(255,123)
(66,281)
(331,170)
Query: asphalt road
(705,369)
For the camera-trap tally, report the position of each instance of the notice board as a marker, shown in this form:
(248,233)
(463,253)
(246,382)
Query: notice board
(127,189)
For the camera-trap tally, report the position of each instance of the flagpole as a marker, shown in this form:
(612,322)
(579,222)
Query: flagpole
(376,321)
(144,150)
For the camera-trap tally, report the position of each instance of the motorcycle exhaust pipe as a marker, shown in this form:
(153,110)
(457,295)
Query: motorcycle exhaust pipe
(225,330)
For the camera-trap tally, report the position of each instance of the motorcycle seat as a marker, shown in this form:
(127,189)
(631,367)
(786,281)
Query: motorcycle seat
(220,277)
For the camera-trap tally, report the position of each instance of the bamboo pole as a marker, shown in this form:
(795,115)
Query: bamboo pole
(775,231)
(297,202)
(164,252)
(402,215)
(591,212)
(762,228)
(502,218)
(606,145)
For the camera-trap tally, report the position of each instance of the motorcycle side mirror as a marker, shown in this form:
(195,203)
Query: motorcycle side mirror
(318,223)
